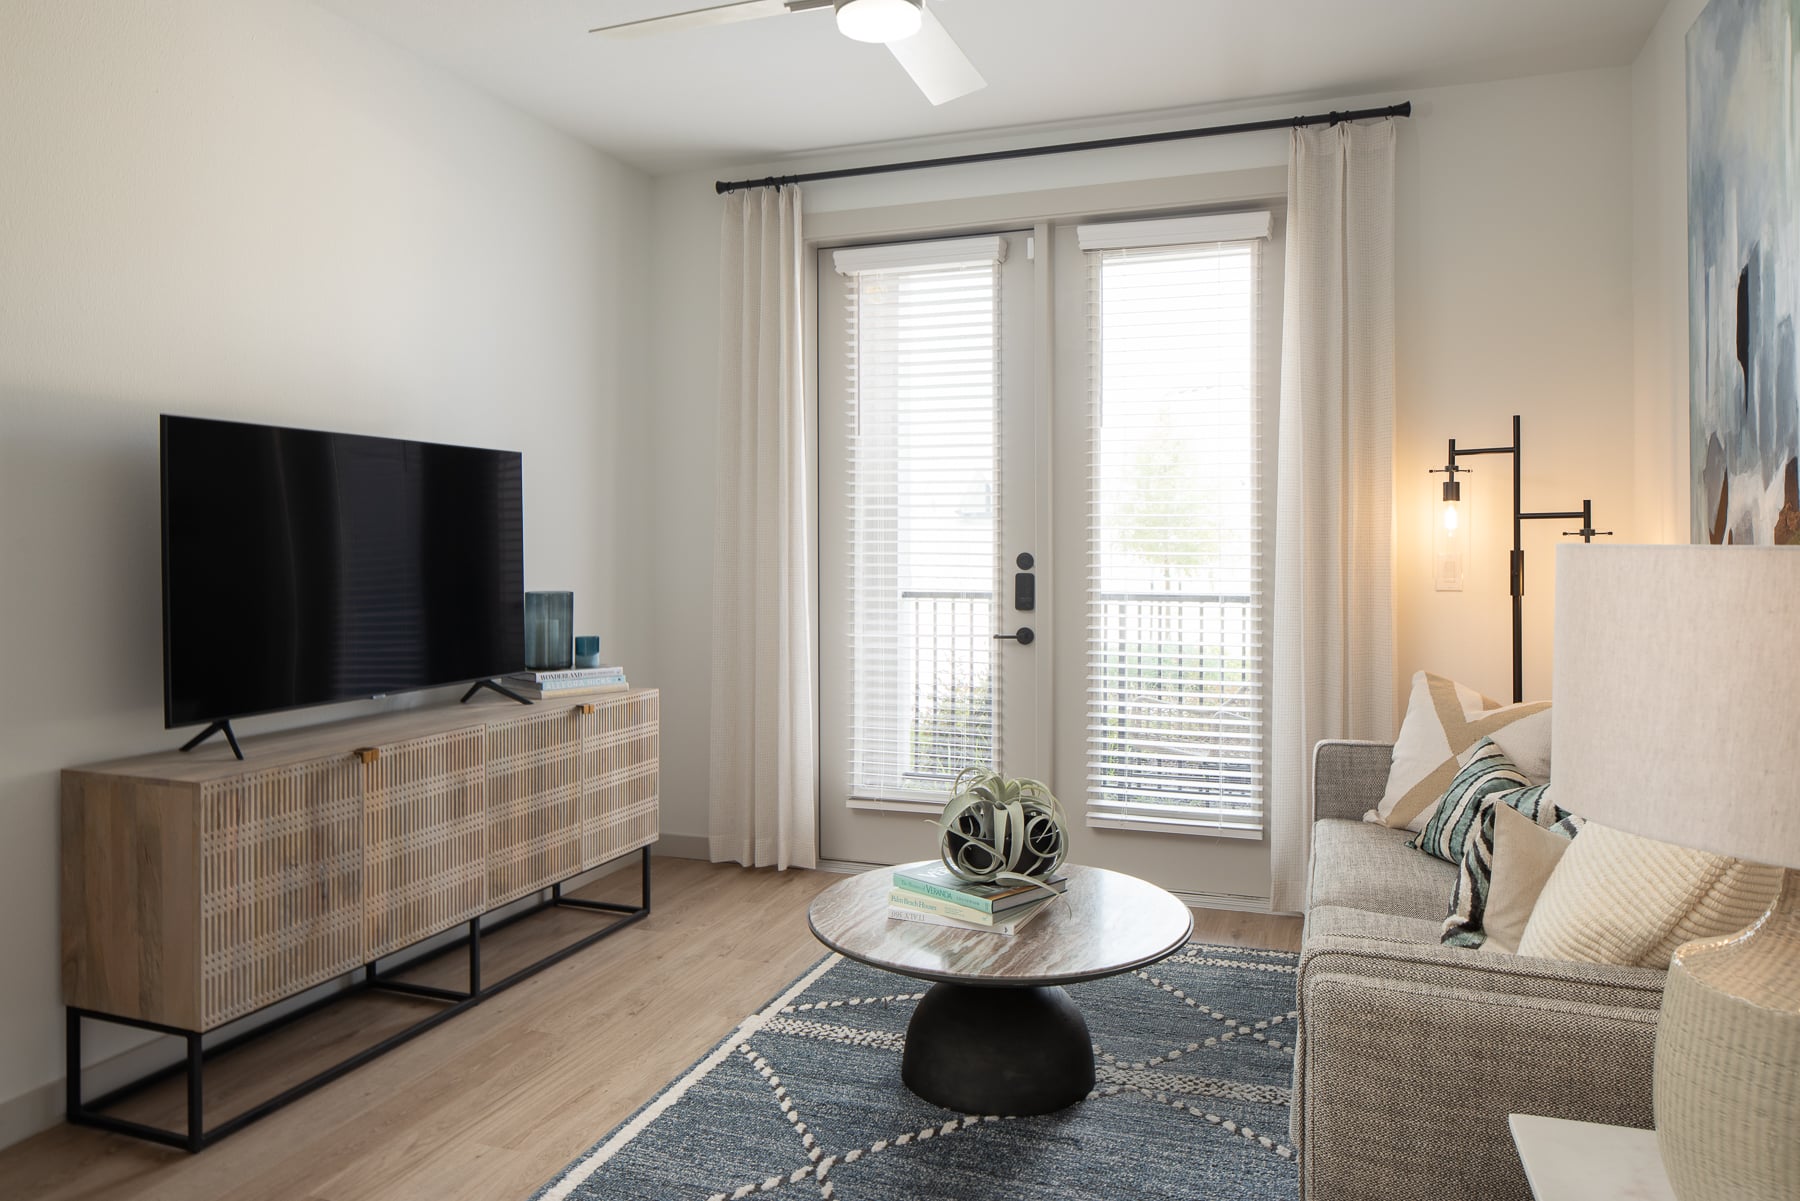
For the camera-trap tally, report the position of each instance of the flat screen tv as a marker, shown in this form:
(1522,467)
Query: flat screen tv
(303,567)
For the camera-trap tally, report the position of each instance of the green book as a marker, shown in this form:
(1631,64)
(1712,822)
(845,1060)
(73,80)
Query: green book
(933,879)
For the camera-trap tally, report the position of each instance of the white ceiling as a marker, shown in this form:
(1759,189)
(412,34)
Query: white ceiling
(759,90)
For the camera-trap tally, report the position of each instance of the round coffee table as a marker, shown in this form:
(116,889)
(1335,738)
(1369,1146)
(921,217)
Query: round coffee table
(996,1033)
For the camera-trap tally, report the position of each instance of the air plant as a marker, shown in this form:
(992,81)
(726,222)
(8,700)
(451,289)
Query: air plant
(996,830)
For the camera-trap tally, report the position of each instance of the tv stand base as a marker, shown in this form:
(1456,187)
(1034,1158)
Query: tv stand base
(197,1135)
(494,686)
(222,726)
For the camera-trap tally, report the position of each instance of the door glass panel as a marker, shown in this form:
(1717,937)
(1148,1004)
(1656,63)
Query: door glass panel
(1175,679)
(925,525)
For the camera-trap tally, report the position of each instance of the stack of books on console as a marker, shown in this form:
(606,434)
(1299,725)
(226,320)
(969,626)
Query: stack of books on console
(537,685)
(931,893)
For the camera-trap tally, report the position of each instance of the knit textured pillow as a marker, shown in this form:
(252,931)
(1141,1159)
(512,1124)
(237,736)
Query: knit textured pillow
(1468,904)
(1619,898)
(1486,772)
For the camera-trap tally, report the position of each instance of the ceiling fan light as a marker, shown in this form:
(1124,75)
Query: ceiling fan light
(879,20)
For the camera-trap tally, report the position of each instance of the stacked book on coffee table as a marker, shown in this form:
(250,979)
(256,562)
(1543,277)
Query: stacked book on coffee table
(933,894)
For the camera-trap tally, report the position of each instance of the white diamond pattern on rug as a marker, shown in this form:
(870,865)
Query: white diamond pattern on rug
(1193,1064)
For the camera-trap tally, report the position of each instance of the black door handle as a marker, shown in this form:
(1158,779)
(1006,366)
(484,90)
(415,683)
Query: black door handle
(1024,637)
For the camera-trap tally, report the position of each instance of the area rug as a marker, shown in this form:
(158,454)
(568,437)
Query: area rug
(803,1100)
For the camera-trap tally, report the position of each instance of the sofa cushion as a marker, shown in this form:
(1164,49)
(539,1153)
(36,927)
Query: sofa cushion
(1523,856)
(1618,898)
(1457,814)
(1444,719)
(1361,865)
(1466,924)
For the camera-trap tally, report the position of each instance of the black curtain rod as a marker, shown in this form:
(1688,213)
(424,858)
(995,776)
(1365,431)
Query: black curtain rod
(1140,139)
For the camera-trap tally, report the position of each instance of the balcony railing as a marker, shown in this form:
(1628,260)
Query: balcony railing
(951,638)
(1174,699)
(1175,693)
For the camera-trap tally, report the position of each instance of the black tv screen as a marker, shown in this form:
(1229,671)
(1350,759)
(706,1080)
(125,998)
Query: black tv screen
(302,567)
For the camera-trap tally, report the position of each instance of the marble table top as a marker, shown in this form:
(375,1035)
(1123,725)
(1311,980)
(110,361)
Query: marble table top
(1111,923)
(1585,1161)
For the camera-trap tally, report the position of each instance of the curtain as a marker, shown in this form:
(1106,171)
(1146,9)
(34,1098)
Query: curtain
(1333,670)
(762,808)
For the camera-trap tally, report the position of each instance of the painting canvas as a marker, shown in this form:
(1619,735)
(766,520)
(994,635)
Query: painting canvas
(1744,271)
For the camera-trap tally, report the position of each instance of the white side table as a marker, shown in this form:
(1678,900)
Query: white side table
(1585,1161)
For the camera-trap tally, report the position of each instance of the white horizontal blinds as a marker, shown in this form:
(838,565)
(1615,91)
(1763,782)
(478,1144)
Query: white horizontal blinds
(1175,697)
(925,524)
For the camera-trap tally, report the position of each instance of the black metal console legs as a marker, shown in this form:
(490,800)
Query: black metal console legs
(193,1065)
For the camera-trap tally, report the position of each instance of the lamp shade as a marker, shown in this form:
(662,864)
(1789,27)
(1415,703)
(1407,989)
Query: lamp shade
(1676,711)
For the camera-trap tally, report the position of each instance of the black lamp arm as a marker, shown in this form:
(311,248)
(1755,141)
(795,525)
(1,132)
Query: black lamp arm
(1516,564)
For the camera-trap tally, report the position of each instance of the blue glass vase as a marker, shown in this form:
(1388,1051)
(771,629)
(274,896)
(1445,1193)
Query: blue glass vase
(549,631)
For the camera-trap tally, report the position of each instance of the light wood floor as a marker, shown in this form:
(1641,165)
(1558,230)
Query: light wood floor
(491,1104)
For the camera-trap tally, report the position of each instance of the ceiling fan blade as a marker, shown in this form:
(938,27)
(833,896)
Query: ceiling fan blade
(936,63)
(718,14)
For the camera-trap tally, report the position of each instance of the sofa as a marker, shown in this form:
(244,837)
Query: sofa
(1410,1054)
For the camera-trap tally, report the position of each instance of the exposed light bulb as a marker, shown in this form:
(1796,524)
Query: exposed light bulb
(879,21)
(1448,546)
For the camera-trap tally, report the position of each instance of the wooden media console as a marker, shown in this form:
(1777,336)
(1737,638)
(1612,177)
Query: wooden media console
(198,889)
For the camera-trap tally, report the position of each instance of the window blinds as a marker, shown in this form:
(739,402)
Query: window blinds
(1175,680)
(925,531)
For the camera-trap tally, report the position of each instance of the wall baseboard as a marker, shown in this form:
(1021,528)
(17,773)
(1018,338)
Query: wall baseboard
(683,846)
(1222,900)
(30,1113)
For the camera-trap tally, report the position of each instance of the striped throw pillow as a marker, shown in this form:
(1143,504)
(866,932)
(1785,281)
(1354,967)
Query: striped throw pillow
(1486,771)
(1468,904)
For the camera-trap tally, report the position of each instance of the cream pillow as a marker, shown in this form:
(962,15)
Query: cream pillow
(1525,854)
(1443,720)
(1526,741)
(1618,898)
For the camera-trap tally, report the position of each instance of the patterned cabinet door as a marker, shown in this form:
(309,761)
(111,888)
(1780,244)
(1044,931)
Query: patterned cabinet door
(281,884)
(424,838)
(620,748)
(532,779)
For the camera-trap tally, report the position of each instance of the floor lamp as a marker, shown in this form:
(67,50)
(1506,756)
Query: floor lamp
(1452,493)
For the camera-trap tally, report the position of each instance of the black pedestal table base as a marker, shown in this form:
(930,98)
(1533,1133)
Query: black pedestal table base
(1007,1051)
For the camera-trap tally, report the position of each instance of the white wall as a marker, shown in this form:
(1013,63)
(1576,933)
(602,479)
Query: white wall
(259,211)
(1659,274)
(1514,295)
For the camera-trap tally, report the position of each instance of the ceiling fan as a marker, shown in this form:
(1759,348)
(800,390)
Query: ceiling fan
(906,27)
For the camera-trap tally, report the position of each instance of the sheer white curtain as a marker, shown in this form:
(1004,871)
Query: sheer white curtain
(1334,624)
(762,804)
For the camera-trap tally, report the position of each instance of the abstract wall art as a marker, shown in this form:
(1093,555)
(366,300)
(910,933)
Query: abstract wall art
(1744,271)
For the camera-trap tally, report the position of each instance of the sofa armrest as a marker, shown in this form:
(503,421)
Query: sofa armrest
(1349,777)
(1403,1090)
(1410,1055)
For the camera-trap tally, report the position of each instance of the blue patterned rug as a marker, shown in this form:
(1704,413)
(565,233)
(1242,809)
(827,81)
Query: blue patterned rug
(804,1101)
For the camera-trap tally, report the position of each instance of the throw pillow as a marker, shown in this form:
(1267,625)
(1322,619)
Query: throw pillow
(1526,741)
(1444,719)
(1515,847)
(1618,898)
(1525,854)
(1447,829)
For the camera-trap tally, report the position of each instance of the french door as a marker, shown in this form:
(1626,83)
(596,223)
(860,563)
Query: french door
(1041,504)
(931,490)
